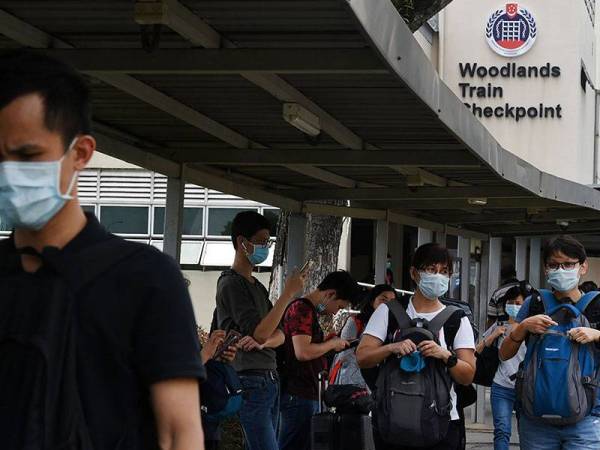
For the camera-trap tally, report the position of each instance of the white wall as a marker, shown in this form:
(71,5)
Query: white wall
(563,147)
(102,161)
(203,290)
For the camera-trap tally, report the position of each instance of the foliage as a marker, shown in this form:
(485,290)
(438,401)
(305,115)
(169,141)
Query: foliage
(417,12)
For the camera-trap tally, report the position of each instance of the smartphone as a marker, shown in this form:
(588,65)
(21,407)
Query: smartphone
(231,339)
(307,265)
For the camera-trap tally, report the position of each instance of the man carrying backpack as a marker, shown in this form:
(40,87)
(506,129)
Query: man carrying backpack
(98,345)
(423,348)
(557,384)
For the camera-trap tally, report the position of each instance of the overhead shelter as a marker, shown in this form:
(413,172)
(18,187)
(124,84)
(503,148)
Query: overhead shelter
(296,104)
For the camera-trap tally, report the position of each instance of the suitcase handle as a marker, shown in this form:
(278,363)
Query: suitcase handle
(323,384)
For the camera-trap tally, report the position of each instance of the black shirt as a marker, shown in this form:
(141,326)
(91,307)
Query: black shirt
(241,305)
(135,327)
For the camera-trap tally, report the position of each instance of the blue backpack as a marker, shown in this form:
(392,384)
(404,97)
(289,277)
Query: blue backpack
(557,381)
(221,393)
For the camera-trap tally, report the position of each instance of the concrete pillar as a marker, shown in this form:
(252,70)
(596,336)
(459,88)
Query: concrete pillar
(381,250)
(295,241)
(174,217)
(345,251)
(440,238)
(535,262)
(464,253)
(396,249)
(521,257)
(424,236)
(491,260)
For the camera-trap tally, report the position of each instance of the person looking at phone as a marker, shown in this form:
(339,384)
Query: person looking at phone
(243,305)
(303,355)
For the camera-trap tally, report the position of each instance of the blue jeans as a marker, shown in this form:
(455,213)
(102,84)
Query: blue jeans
(260,411)
(296,417)
(503,403)
(584,435)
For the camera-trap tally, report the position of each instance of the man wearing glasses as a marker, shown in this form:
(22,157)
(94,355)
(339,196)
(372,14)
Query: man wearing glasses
(565,263)
(243,305)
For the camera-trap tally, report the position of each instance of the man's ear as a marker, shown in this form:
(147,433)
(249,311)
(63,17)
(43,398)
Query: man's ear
(83,149)
(584,268)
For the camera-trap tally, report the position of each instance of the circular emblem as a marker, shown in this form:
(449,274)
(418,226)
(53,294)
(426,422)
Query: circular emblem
(511,31)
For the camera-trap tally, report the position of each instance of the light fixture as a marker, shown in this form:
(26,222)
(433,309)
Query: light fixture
(302,119)
(477,201)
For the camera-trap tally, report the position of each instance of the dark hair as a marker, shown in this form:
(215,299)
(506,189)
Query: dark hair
(513,293)
(247,224)
(588,286)
(366,310)
(65,93)
(346,288)
(432,253)
(567,245)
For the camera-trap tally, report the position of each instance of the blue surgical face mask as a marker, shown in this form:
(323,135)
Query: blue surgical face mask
(259,255)
(433,286)
(30,193)
(513,310)
(563,280)
(322,305)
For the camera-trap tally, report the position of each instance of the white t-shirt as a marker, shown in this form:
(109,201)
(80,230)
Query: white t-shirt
(378,325)
(508,368)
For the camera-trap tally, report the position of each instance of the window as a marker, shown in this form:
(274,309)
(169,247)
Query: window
(221,219)
(125,219)
(89,209)
(272,216)
(192,221)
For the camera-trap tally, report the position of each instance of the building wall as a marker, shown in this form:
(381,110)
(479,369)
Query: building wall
(563,147)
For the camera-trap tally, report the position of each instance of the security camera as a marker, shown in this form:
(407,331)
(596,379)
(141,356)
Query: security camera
(563,224)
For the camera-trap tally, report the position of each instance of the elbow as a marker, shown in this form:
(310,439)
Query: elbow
(260,337)
(362,361)
(302,355)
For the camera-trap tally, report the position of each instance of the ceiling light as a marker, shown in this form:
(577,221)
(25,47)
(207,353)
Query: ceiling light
(302,118)
(479,201)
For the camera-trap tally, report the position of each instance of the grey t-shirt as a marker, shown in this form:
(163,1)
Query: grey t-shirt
(510,367)
(241,305)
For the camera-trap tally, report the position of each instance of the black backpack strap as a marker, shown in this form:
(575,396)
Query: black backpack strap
(440,320)
(399,314)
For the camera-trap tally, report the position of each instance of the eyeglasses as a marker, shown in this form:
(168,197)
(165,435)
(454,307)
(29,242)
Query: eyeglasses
(264,244)
(432,270)
(569,265)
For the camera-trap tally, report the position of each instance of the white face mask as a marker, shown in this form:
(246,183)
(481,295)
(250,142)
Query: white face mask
(30,193)
(433,286)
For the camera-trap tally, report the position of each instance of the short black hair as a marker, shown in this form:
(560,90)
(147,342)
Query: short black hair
(588,286)
(430,254)
(65,93)
(567,245)
(513,293)
(247,224)
(366,310)
(346,288)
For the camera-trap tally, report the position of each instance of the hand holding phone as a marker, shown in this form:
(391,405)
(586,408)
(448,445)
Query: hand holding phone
(232,338)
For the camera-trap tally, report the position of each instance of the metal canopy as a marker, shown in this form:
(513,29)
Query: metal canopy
(395,142)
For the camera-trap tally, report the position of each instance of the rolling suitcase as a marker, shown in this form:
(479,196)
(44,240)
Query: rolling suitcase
(331,431)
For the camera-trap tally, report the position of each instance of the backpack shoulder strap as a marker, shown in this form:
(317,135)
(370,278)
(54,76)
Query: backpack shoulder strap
(440,320)
(550,302)
(586,300)
(399,313)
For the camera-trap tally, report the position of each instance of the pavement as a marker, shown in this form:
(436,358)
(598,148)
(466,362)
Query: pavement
(480,436)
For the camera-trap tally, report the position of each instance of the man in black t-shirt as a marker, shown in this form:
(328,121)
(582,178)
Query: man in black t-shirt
(98,347)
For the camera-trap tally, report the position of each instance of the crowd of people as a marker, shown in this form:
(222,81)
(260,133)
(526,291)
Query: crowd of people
(99,347)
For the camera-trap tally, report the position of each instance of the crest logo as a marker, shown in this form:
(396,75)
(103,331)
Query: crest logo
(511,31)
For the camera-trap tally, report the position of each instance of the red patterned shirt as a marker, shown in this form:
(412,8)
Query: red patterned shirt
(301,318)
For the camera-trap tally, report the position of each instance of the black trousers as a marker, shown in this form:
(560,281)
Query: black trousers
(455,439)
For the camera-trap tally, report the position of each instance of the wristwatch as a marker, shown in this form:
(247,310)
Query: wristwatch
(452,360)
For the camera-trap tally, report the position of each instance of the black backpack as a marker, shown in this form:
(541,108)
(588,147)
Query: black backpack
(38,342)
(413,408)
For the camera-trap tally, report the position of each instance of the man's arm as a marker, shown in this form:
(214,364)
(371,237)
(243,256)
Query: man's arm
(177,411)
(267,326)
(306,350)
